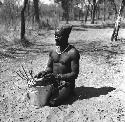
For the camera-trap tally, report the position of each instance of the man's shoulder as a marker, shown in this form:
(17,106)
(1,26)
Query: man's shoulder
(74,52)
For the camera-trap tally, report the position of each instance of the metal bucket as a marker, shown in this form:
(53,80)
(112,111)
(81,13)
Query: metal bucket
(39,95)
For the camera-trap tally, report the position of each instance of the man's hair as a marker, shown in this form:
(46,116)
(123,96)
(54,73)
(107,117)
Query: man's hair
(63,30)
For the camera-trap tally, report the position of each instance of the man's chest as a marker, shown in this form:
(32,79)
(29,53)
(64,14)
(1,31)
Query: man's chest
(61,58)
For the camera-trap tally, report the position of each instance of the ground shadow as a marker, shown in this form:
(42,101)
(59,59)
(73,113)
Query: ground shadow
(88,92)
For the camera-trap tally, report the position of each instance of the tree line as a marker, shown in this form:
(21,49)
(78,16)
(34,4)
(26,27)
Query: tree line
(48,16)
(83,9)
(67,10)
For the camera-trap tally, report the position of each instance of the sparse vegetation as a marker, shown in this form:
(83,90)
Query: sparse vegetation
(100,92)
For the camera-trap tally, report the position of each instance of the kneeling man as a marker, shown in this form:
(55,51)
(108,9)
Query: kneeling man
(63,65)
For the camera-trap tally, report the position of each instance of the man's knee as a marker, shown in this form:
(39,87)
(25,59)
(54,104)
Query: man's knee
(62,96)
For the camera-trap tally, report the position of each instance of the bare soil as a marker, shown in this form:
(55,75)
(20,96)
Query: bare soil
(100,91)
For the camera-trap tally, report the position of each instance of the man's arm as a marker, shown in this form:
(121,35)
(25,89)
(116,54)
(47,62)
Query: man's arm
(49,68)
(74,67)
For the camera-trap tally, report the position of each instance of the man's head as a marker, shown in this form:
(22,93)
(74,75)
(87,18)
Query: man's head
(62,35)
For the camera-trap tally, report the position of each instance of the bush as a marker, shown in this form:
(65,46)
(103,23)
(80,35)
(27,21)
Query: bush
(9,13)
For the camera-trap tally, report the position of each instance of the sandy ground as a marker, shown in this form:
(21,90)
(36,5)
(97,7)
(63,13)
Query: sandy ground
(100,91)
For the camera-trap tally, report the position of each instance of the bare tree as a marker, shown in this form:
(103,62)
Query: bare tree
(104,10)
(118,21)
(36,11)
(23,20)
(93,11)
(115,8)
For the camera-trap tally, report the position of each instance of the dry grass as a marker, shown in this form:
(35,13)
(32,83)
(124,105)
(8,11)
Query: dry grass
(102,69)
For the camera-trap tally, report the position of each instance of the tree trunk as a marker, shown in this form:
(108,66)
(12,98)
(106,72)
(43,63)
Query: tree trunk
(86,13)
(113,3)
(23,20)
(66,8)
(93,11)
(36,11)
(117,23)
(67,12)
(80,13)
(98,12)
(67,17)
(22,24)
(104,10)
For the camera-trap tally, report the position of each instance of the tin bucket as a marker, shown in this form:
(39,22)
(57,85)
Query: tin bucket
(39,95)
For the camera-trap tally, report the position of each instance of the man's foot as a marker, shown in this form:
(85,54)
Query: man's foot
(54,102)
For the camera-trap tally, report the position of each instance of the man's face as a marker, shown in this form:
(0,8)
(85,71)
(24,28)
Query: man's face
(59,40)
(62,34)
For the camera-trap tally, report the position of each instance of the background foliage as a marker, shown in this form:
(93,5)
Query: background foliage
(50,15)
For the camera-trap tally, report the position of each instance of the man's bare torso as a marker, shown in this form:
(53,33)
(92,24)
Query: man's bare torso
(62,62)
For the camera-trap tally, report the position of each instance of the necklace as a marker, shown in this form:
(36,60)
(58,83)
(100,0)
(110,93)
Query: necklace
(58,49)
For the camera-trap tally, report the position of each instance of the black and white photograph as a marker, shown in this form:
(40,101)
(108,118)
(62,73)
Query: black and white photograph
(62,60)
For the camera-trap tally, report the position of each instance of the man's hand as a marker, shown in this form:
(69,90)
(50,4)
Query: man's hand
(41,82)
(57,77)
(50,76)
(40,74)
(62,83)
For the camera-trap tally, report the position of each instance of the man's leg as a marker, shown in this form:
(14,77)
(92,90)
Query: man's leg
(63,95)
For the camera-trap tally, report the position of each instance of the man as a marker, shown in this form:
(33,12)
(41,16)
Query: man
(63,65)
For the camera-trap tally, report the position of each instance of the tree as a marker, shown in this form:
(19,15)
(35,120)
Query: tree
(93,11)
(88,9)
(97,11)
(23,20)
(115,8)
(36,11)
(117,23)
(86,13)
(66,4)
(104,10)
